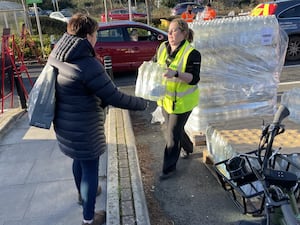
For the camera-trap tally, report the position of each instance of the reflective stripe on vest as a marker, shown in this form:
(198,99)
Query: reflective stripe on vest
(180,97)
(182,94)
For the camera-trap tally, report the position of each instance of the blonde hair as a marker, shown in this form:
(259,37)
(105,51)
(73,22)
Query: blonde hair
(184,27)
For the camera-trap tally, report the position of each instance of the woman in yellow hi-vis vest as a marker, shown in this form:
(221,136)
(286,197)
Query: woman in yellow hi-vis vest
(182,93)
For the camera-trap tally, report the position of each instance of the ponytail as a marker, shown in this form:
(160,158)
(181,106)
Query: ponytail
(190,35)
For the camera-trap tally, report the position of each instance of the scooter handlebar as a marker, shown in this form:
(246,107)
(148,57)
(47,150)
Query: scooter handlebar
(281,113)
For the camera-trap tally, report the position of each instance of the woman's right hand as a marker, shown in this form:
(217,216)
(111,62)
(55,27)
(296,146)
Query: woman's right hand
(170,73)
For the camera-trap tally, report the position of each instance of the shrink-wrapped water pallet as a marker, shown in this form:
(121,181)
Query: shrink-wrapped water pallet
(242,59)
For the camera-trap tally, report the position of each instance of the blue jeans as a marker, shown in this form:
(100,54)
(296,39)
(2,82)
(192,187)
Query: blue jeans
(86,179)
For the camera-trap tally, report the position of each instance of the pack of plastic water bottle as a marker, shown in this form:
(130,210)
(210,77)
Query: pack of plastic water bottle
(242,59)
(150,83)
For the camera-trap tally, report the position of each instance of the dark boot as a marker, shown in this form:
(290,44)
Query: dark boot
(99,218)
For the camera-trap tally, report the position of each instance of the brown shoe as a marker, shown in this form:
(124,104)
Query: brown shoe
(99,218)
(80,199)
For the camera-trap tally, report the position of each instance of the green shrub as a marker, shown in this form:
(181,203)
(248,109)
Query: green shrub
(30,46)
(48,26)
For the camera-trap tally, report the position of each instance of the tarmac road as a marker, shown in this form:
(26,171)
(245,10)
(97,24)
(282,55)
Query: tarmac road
(194,196)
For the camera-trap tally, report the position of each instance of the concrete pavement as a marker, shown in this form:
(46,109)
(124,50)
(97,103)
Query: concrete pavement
(36,182)
(36,185)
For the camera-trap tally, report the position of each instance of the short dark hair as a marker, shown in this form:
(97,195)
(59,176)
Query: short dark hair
(208,4)
(80,25)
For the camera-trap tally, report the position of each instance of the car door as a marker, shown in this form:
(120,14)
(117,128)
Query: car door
(144,48)
(111,42)
(119,14)
(124,14)
(289,20)
(126,54)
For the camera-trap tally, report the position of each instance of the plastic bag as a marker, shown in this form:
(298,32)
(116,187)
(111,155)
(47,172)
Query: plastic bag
(157,116)
(150,83)
(41,104)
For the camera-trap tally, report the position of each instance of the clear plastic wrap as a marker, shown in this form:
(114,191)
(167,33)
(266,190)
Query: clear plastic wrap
(150,83)
(242,59)
(157,116)
(291,99)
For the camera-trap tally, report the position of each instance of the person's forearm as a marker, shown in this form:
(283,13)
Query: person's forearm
(186,77)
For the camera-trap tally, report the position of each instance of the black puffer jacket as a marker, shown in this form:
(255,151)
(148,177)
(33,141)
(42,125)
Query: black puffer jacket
(83,88)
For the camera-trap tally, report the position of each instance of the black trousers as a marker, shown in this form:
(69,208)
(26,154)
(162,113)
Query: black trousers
(176,139)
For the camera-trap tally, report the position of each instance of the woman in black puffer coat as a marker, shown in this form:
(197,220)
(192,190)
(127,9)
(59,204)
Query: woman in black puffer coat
(83,89)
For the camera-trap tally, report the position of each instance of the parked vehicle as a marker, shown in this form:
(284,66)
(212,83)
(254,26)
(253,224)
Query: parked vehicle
(181,7)
(121,14)
(113,39)
(41,12)
(63,15)
(288,14)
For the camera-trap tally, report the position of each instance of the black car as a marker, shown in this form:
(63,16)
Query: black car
(41,12)
(288,14)
(181,7)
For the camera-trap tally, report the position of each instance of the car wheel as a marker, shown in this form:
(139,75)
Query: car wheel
(293,51)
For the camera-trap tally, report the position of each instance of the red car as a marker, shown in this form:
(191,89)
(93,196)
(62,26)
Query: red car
(121,14)
(128,43)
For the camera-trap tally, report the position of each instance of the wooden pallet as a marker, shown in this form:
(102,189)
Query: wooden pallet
(198,138)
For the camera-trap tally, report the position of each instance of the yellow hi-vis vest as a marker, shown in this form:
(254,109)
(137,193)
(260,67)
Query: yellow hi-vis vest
(180,97)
